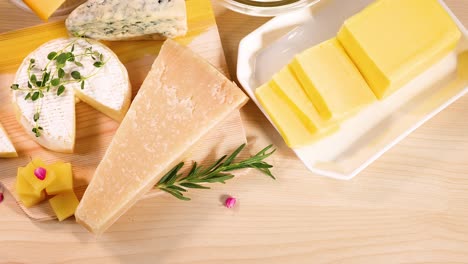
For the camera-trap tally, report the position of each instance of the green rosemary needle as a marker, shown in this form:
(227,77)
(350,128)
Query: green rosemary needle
(177,184)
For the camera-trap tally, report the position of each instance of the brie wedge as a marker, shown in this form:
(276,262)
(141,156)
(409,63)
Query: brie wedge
(125,20)
(107,89)
(7,150)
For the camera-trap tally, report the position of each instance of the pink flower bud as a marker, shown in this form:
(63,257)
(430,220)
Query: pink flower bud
(230,202)
(40,173)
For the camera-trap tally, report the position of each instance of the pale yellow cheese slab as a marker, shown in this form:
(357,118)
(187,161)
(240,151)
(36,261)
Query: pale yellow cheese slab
(291,90)
(294,126)
(182,98)
(392,41)
(332,81)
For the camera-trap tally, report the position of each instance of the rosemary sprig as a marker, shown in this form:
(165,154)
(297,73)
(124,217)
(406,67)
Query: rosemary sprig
(177,184)
(41,81)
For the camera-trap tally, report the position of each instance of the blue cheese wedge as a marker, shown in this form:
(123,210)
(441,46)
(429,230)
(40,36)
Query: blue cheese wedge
(7,150)
(106,89)
(129,20)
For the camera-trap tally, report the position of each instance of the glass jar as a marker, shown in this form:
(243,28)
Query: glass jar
(266,8)
(64,9)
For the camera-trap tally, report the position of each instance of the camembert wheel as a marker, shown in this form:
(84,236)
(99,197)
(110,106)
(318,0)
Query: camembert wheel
(51,78)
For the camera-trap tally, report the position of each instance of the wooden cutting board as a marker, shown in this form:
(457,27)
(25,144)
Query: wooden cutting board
(94,130)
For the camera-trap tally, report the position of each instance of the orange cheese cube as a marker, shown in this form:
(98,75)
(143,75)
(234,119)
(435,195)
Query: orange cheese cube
(64,205)
(36,183)
(23,187)
(63,178)
(30,201)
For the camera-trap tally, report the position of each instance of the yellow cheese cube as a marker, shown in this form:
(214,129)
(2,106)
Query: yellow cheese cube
(392,41)
(64,205)
(30,201)
(44,8)
(36,183)
(23,187)
(294,127)
(63,178)
(331,80)
(287,86)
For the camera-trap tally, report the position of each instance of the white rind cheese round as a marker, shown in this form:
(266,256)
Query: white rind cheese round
(7,150)
(109,91)
(129,20)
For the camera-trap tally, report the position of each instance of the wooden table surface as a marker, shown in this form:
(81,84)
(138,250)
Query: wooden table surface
(410,206)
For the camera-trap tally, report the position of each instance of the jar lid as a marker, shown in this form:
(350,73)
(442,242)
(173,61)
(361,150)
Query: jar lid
(266,8)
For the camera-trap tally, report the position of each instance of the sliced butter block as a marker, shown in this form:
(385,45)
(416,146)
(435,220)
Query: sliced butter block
(23,187)
(295,128)
(7,150)
(30,201)
(108,90)
(36,183)
(392,41)
(64,205)
(44,8)
(182,99)
(129,20)
(331,80)
(287,85)
(63,178)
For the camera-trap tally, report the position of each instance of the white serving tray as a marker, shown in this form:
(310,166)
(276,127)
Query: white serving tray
(366,136)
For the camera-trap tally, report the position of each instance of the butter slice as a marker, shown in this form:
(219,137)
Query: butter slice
(331,80)
(182,98)
(392,41)
(44,9)
(294,126)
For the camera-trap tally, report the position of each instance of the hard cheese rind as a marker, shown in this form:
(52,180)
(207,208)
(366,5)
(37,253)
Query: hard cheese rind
(7,150)
(182,98)
(392,41)
(125,20)
(108,91)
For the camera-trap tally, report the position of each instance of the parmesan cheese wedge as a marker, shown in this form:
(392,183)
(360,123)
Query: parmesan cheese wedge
(182,98)
(7,150)
(108,90)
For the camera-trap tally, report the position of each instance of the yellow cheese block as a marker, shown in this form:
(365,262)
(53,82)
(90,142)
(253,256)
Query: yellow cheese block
(288,87)
(23,187)
(64,205)
(63,178)
(30,201)
(182,98)
(295,128)
(392,41)
(36,183)
(331,80)
(44,8)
